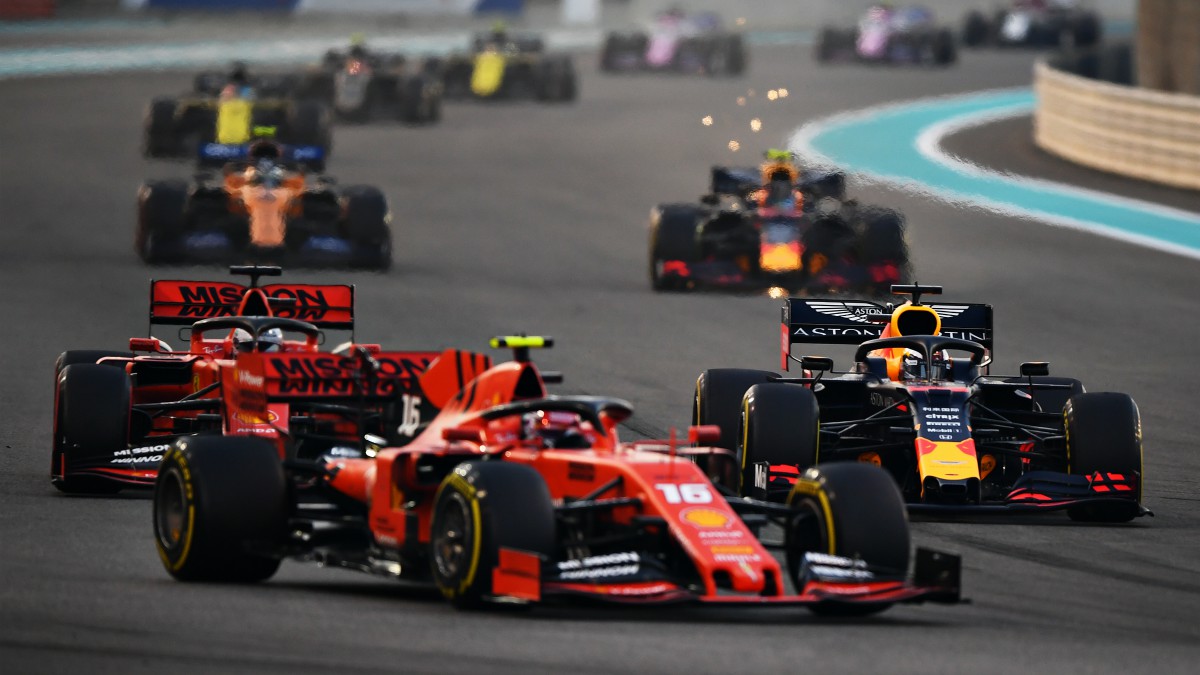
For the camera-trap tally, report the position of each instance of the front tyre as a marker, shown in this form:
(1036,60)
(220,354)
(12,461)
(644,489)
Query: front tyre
(851,510)
(779,425)
(673,231)
(91,422)
(218,502)
(480,508)
(1104,435)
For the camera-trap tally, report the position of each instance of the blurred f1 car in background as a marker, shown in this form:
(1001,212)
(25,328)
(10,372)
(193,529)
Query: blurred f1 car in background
(777,227)
(1036,23)
(361,85)
(225,108)
(920,402)
(908,35)
(263,208)
(509,66)
(510,495)
(677,42)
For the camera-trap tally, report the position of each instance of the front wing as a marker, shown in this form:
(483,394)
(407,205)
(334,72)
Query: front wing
(1033,492)
(826,580)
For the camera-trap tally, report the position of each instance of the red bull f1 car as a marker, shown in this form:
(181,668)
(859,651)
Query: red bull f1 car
(511,495)
(117,412)
(777,226)
(919,401)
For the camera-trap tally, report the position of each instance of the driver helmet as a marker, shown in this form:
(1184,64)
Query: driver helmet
(779,165)
(265,149)
(915,367)
(238,75)
(555,429)
(270,340)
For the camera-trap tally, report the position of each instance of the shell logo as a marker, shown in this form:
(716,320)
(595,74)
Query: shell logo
(705,518)
(250,418)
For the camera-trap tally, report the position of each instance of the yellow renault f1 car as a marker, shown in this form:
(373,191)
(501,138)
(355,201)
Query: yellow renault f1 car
(225,108)
(504,66)
(920,402)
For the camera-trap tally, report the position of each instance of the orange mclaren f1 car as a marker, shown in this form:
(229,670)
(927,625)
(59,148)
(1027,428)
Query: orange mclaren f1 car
(920,402)
(263,207)
(511,495)
(116,412)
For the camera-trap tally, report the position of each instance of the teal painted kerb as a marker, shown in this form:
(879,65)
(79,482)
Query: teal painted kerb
(884,144)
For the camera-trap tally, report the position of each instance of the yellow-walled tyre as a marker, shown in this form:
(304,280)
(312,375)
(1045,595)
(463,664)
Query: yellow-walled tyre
(851,510)
(218,503)
(780,424)
(480,508)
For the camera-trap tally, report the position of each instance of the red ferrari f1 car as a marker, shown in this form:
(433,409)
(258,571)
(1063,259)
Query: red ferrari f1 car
(513,496)
(117,413)
(920,402)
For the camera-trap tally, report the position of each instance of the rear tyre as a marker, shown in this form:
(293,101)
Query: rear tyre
(216,499)
(718,400)
(480,508)
(851,510)
(160,223)
(883,250)
(1087,31)
(975,30)
(366,226)
(1104,435)
(160,138)
(735,64)
(416,104)
(828,44)
(779,424)
(309,124)
(608,53)
(92,409)
(673,230)
(945,52)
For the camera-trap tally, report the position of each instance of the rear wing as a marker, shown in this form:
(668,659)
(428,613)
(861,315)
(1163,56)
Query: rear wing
(740,181)
(217,154)
(182,303)
(262,377)
(852,322)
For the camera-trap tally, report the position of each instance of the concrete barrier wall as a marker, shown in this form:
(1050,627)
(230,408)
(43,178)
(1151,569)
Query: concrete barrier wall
(1144,134)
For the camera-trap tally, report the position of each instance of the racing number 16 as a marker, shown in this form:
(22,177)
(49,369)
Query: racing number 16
(410,415)
(685,493)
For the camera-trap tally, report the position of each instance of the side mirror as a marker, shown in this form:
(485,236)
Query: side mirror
(463,434)
(373,444)
(705,434)
(817,364)
(145,345)
(1035,369)
(552,377)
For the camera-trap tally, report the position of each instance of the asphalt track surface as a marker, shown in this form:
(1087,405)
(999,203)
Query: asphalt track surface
(1007,146)
(522,217)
